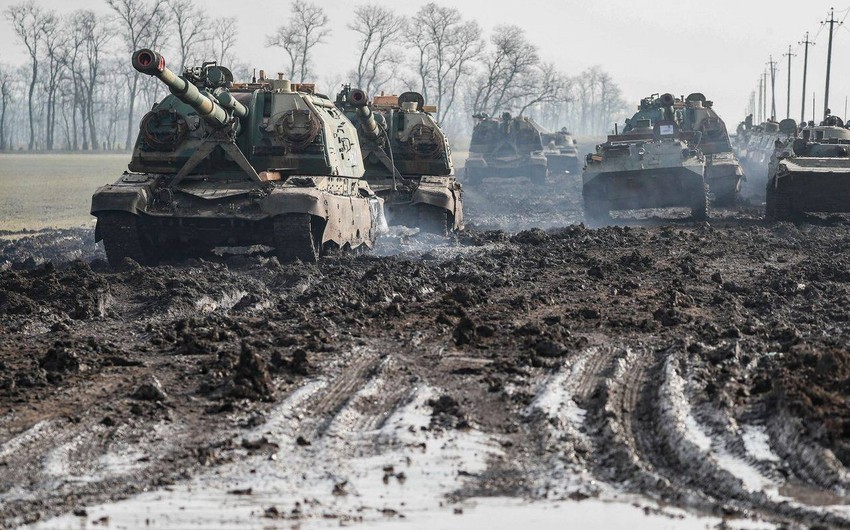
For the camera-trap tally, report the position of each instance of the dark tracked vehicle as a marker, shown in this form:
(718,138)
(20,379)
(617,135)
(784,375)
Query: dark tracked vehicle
(811,172)
(407,159)
(561,153)
(652,164)
(509,147)
(218,164)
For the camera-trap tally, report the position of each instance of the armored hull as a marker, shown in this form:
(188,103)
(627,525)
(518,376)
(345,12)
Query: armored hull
(510,147)
(407,159)
(811,173)
(218,164)
(561,153)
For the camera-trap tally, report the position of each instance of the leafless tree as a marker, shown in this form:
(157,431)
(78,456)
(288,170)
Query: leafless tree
(55,39)
(223,39)
(143,25)
(307,27)
(193,28)
(548,85)
(5,99)
(445,45)
(28,21)
(504,82)
(379,29)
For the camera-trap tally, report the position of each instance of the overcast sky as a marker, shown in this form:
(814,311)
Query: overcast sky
(718,47)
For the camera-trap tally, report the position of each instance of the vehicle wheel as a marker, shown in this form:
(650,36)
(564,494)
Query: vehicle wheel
(538,175)
(432,219)
(121,239)
(295,238)
(699,211)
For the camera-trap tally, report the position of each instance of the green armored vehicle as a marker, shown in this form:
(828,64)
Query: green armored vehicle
(811,172)
(407,159)
(561,152)
(221,164)
(509,147)
(652,164)
(723,172)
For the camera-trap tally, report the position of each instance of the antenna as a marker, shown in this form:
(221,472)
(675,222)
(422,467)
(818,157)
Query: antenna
(807,43)
(832,22)
(789,55)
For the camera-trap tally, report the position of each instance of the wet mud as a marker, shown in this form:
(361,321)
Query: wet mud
(693,370)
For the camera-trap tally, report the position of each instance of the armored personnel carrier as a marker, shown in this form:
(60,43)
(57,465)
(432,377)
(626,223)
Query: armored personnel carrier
(811,173)
(652,164)
(508,147)
(561,152)
(723,172)
(223,164)
(407,159)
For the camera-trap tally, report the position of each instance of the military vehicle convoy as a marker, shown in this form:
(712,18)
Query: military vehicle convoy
(506,147)
(561,152)
(652,164)
(223,164)
(810,172)
(407,159)
(723,172)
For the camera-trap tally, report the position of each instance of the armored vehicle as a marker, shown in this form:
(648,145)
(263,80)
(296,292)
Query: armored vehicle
(223,164)
(509,147)
(723,173)
(407,159)
(652,164)
(811,173)
(561,152)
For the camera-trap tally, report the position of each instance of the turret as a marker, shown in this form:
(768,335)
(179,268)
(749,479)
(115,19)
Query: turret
(359,100)
(214,108)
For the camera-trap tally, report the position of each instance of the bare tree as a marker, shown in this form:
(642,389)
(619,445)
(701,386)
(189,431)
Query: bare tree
(223,39)
(55,39)
(548,87)
(28,21)
(380,29)
(193,28)
(143,24)
(5,99)
(307,27)
(446,45)
(505,83)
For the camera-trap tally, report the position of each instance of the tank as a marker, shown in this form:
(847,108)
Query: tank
(221,164)
(407,159)
(561,152)
(652,164)
(810,172)
(506,147)
(723,172)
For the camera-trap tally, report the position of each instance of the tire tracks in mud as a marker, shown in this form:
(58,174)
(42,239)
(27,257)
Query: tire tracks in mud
(639,433)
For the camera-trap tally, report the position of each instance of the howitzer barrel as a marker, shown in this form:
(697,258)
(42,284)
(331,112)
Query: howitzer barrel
(359,99)
(152,63)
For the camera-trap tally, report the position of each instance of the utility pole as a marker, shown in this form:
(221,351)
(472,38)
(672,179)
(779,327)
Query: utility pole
(764,100)
(832,22)
(788,108)
(761,100)
(806,43)
(772,64)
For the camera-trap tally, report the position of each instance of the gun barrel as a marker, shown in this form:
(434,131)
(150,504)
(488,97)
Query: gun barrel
(152,63)
(359,99)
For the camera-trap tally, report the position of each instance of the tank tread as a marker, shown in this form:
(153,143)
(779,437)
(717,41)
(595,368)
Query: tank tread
(699,210)
(294,238)
(473,177)
(121,240)
(538,175)
(778,205)
(432,219)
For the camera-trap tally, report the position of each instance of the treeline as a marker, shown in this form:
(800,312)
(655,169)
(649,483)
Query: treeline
(77,91)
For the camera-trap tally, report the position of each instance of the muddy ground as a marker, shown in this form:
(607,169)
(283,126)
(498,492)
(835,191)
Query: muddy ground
(700,369)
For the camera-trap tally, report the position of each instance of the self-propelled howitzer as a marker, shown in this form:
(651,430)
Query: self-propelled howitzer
(219,164)
(407,159)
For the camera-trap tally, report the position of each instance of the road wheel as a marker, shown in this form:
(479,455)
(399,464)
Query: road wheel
(296,239)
